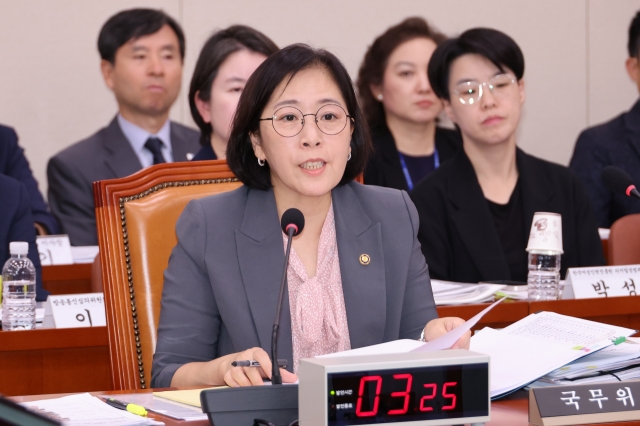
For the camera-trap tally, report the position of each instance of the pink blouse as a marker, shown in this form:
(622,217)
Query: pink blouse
(318,315)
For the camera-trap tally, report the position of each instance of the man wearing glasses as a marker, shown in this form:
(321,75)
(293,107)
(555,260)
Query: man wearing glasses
(476,210)
(615,143)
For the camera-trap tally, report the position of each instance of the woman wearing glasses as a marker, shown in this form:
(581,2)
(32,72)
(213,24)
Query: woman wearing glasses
(225,63)
(476,211)
(401,108)
(356,277)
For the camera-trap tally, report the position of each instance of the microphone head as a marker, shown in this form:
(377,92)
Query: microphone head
(292,218)
(617,180)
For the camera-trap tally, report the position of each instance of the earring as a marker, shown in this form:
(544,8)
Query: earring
(261,162)
(380,97)
(349,156)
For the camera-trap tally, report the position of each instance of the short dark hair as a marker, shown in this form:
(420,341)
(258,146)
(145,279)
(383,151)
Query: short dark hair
(131,25)
(634,37)
(284,65)
(213,54)
(376,60)
(492,44)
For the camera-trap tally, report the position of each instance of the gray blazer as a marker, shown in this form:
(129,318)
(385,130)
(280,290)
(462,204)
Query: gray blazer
(105,155)
(222,283)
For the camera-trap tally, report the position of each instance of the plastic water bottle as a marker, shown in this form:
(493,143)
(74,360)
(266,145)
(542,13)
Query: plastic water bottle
(18,289)
(544,275)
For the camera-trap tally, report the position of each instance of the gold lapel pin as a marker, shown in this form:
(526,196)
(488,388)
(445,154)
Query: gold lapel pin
(365,259)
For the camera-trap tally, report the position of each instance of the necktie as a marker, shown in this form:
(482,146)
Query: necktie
(155,146)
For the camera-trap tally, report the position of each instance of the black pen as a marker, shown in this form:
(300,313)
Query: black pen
(132,408)
(282,363)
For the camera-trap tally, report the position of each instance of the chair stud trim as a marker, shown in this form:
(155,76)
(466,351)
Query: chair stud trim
(123,219)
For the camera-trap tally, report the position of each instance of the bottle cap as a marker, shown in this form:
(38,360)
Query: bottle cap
(546,233)
(19,247)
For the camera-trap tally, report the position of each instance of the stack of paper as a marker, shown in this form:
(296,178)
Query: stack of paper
(538,345)
(86,410)
(450,293)
(622,360)
(84,254)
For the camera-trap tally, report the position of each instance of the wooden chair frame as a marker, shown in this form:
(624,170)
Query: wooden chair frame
(126,351)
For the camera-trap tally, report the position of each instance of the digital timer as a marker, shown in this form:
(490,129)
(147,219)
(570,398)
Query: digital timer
(428,388)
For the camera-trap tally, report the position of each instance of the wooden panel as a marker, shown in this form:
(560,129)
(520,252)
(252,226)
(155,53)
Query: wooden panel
(54,360)
(67,279)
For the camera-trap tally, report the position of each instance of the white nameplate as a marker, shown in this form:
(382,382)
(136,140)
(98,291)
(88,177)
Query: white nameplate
(54,250)
(77,310)
(604,281)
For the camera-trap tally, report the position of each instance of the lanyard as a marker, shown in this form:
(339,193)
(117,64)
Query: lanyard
(405,170)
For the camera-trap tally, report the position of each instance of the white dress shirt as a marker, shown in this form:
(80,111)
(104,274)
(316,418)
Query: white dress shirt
(137,137)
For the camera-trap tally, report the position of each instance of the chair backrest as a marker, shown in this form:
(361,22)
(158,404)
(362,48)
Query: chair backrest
(136,219)
(624,241)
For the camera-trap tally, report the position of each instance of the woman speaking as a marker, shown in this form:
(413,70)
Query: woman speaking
(357,276)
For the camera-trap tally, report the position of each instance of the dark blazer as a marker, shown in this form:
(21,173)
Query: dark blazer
(105,155)
(13,163)
(457,232)
(384,167)
(16,224)
(222,283)
(615,143)
(206,152)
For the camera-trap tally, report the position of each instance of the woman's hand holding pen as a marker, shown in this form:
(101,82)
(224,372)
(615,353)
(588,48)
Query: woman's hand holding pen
(250,376)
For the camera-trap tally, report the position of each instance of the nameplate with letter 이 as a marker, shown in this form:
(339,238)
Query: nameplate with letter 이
(77,310)
(585,404)
(604,281)
(54,250)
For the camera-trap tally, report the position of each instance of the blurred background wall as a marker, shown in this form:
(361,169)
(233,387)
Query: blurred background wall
(52,93)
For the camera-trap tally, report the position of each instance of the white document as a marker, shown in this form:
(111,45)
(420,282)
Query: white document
(575,332)
(84,254)
(451,293)
(162,406)
(516,361)
(396,347)
(537,345)
(447,340)
(408,345)
(603,360)
(86,410)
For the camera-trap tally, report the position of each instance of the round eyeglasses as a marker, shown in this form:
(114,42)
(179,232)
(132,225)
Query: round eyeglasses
(470,92)
(288,121)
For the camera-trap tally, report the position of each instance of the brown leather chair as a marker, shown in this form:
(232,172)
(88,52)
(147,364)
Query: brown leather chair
(136,219)
(624,241)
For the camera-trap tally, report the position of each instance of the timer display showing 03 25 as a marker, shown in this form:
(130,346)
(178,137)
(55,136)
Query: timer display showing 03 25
(403,395)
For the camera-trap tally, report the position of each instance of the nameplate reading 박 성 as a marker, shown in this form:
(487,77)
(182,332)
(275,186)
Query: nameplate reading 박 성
(77,310)
(54,250)
(583,404)
(604,281)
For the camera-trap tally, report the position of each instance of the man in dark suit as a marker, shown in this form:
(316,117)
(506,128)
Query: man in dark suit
(13,163)
(615,143)
(142,53)
(16,224)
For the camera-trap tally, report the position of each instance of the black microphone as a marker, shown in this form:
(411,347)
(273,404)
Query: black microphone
(619,181)
(292,224)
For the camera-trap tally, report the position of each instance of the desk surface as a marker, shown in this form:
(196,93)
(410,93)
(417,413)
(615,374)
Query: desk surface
(511,411)
(49,360)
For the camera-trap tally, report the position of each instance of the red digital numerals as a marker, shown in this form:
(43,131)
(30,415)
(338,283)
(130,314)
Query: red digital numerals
(374,411)
(447,393)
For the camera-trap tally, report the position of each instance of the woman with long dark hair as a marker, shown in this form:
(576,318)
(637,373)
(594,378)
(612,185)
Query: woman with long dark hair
(401,108)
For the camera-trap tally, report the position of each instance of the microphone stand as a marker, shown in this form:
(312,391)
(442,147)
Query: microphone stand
(276,378)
